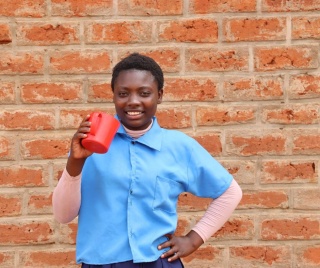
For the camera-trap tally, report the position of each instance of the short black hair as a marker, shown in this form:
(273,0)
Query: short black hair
(139,62)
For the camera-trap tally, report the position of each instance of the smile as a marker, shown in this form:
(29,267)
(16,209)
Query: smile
(134,113)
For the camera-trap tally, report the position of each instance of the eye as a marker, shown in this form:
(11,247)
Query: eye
(145,93)
(123,94)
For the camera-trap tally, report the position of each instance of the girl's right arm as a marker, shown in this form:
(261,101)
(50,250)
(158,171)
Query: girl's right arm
(66,198)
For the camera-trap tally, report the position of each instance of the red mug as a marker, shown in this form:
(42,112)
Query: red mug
(102,131)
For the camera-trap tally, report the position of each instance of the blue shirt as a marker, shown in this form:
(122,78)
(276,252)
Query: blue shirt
(129,194)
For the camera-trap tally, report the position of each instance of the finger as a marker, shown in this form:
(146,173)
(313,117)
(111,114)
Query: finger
(169,254)
(174,257)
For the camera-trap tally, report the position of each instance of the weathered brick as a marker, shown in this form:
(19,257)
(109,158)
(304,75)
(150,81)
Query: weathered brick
(7,148)
(78,62)
(254,29)
(306,199)
(306,27)
(7,258)
(285,58)
(26,232)
(304,86)
(147,8)
(23,8)
(5,34)
(21,62)
(123,32)
(10,204)
(264,199)
(213,6)
(7,92)
(45,147)
(306,141)
(253,88)
(99,91)
(291,114)
(51,92)
(190,89)
(211,141)
(291,5)
(175,117)
(27,120)
(285,171)
(218,60)
(48,34)
(189,202)
(253,142)
(290,228)
(260,256)
(195,30)
(243,171)
(75,8)
(225,115)
(23,176)
(68,233)
(40,202)
(308,255)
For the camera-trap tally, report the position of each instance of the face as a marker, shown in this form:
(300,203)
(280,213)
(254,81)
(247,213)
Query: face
(136,97)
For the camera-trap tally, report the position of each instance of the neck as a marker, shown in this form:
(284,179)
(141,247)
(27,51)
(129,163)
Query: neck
(137,133)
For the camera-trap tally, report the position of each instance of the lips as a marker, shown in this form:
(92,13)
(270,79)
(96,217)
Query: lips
(133,113)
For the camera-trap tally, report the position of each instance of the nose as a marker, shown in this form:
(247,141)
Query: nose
(133,99)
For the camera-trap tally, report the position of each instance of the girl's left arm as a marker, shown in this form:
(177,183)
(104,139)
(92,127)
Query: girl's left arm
(215,217)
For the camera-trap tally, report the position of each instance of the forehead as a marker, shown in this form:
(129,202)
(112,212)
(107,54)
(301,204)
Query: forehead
(134,76)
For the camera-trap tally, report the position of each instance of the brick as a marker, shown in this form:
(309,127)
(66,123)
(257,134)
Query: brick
(23,176)
(237,227)
(285,171)
(248,143)
(27,120)
(40,202)
(205,256)
(68,233)
(243,171)
(264,199)
(79,62)
(48,34)
(291,114)
(253,88)
(217,60)
(26,232)
(10,205)
(287,6)
(7,148)
(167,58)
(75,8)
(48,258)
(260,256)
(51,92)
(306,141)
(188,30)
(7,258)
(189,202)
(290,228)
(23,8)
(5,34)
(211,141)
(71,118)
(175,117)
(306,27)
(304,86)
(254,29)
(21,62)
(123,32)
(308,255)
(190,89)
(225,115)
(7,92)
(213,6)
(99,91)
(285,58)
(306,199)
(45,148)
(57,172)
(150,8)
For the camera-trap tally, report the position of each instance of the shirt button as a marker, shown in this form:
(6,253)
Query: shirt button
(131,192)
(133,142)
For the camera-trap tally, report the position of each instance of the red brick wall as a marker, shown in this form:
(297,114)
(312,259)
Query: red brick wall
(242,77)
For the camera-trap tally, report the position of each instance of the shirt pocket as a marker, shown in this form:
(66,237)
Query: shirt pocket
(166,194)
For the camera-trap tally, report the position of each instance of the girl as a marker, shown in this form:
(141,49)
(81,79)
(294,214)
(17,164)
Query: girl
(126,199)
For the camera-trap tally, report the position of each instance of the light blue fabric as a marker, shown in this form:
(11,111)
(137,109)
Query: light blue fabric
(129,194)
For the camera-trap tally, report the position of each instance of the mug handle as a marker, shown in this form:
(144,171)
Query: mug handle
(95,117)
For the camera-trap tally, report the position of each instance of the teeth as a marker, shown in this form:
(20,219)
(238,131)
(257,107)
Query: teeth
(134,113)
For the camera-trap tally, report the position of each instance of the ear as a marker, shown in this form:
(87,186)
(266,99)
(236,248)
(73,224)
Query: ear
(160,94)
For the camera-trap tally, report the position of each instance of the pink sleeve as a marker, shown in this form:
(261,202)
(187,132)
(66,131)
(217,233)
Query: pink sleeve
(66,198)
(219,212)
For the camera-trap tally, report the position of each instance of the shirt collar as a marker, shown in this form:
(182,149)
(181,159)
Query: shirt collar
(152,138)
